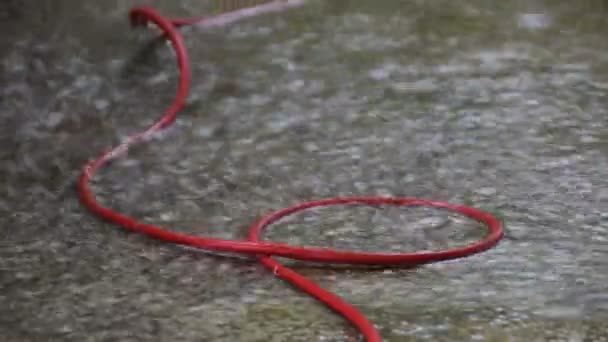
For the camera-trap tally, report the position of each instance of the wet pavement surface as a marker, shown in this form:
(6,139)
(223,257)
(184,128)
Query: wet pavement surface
(501,106)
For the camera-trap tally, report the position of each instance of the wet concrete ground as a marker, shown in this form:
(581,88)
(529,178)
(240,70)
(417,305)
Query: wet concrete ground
(501,106)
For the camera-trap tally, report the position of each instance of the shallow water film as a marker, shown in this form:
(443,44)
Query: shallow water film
(498,105)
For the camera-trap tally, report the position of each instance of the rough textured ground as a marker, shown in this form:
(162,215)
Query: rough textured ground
(501,106)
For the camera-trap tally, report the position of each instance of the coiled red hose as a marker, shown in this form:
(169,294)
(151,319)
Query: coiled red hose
(264,251)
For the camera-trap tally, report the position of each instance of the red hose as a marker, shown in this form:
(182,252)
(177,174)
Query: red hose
(254,245)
